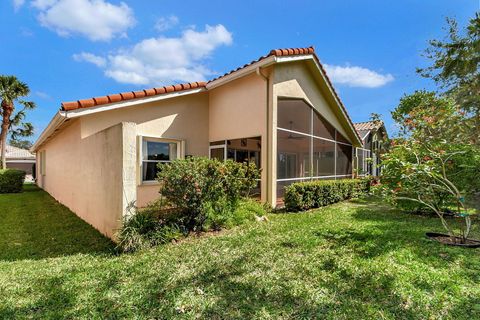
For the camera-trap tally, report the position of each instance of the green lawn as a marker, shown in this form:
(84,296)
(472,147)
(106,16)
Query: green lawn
(352,260)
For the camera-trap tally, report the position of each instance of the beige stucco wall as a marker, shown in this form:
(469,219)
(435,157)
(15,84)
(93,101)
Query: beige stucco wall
(295,80)
(183,118)
(87,174)
(237,110)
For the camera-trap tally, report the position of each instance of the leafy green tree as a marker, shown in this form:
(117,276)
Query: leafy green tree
(435,162)
(456,64)
(13,91)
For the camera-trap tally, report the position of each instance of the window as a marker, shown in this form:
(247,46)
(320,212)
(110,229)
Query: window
(344,160)
(239,150)
(323,158)
(43,159)
(218,153)
(293,155)
(155,151)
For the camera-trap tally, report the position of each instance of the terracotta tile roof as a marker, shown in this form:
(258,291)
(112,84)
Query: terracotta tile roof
(112,98)
(367,125)
(180,87)
(275,52)
(363,128)
(97,101)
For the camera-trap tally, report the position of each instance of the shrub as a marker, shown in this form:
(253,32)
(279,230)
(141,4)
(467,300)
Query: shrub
(147,228)
(155,225)
(206,191)
(314,194)
(11,181)
(198,194)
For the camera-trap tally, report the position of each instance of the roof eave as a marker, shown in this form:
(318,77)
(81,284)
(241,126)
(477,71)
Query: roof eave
(128,103)
(54,124)
(241,72)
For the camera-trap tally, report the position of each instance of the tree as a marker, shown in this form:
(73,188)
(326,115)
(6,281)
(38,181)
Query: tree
(21,143)
(434,162)
(12,91)
(456,65)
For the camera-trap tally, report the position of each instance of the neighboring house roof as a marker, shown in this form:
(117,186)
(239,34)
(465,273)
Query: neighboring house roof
(18,153)
(364,128)
(103,103)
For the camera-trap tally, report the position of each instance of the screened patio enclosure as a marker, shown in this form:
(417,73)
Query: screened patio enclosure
(308,146)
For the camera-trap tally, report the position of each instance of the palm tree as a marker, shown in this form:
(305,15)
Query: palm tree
(12,90)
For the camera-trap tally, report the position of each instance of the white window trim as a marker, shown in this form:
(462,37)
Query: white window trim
(218,146)
(141,139)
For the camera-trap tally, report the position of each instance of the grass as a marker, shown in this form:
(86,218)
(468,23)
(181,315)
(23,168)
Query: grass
(353,260)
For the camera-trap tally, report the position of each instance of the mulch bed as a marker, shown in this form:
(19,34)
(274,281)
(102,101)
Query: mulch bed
(446,239)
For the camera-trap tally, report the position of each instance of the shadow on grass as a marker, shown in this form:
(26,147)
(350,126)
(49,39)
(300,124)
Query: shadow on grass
(35,226)
(389,230)
(238,295)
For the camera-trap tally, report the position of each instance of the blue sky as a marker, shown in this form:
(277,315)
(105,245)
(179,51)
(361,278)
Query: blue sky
(73,49)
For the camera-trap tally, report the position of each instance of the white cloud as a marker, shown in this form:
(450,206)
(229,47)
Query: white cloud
(43,4)
(357,76)
(97,20)
(161,61)
(42,95)
(17,4)
(89,57)
(165,23)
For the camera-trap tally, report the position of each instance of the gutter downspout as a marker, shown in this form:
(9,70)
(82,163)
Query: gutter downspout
(268,190)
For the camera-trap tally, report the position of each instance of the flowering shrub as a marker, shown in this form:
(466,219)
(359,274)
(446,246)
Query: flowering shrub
(435,164)
(197,194)
(206,191)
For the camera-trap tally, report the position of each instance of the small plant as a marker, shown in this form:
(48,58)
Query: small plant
(11,181)
(314,194)
(147,227)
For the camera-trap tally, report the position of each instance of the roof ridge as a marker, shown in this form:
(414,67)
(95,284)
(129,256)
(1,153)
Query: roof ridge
(368,121)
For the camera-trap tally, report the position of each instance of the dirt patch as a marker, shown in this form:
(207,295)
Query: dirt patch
(456,241)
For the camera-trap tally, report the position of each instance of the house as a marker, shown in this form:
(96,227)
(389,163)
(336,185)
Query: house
(99,155)
(20,159)
(374,137)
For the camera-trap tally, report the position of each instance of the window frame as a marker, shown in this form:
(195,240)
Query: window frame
(43,163)
(141,140)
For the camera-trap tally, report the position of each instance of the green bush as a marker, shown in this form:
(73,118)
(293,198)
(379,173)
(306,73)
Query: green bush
(144,230)
(314,194)
(11,181)
(204,191)
(155,225)
(198,194)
